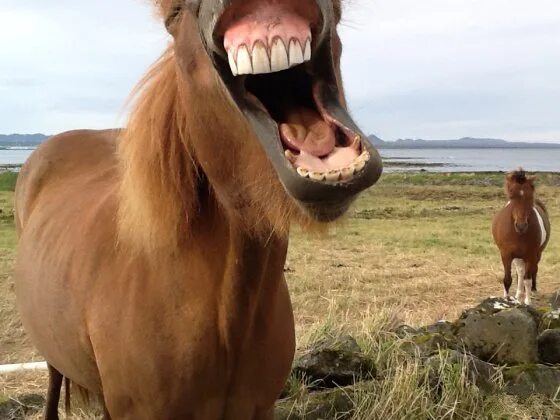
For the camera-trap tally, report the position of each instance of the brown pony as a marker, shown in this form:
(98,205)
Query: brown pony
(150,260)
(521,231)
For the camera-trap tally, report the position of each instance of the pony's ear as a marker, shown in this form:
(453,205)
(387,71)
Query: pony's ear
(509,177)
(531,180)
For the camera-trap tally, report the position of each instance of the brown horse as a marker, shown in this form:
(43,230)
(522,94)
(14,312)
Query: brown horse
(521,231)
(150,260)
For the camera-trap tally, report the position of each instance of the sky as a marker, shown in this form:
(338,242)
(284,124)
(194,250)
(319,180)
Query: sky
(432,69)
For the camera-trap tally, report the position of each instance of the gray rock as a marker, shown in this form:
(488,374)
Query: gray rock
(550,320)
(21,407)
(445,328)
(494,305)
(499,334)
(324,405)
(480,373)
(527,380)
(405,330)
(426,344)
(549,346)
(555,300)
(334,363)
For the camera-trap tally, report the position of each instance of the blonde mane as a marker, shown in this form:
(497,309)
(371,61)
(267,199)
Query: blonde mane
(161,176)
(157,191)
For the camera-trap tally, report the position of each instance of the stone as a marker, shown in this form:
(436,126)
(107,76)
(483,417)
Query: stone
(527,380)
(21,407)
(499,333)
(550,320)
(480,373)
(403,331)
(334,363)
(323,405)
(426,344)
(445,328)
(555,300)
(548,343)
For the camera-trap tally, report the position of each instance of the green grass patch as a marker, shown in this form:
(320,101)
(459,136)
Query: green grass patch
(8,181)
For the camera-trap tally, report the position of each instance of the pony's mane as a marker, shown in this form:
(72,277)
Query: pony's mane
(159,177)
(519,176)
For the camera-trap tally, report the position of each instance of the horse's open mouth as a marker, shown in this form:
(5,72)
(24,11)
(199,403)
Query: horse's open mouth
(314,142)
(277,61)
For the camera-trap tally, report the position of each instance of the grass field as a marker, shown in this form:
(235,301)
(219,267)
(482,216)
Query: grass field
(415,249)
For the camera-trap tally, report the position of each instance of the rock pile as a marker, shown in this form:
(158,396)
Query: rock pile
(497,338)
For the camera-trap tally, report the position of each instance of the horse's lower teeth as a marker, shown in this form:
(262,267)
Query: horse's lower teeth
(334,176)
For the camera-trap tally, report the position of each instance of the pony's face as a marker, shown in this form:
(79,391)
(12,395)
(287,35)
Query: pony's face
(278,62)
(520,191)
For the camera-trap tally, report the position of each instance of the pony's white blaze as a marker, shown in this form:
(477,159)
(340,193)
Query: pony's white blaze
(519,265)
(541,224)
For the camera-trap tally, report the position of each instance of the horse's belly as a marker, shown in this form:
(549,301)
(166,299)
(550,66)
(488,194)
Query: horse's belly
(63,245)
(53,317)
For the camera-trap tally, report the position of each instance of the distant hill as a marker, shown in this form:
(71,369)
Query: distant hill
(463,143)
(11,140)
(28,140)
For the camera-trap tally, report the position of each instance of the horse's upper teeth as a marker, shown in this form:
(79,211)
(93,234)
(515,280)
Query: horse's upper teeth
(296,52)
(244,65)
(270,59)
(279,56)
(261,63)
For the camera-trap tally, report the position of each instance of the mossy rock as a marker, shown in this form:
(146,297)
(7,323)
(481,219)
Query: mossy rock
(549,346)
(333,363)
(426,344)
(550,320)
(499,334)
(323,405)
(21,407)
(479,373)
(527,380)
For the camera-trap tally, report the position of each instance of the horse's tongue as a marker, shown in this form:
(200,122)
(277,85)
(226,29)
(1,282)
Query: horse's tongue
(305,131)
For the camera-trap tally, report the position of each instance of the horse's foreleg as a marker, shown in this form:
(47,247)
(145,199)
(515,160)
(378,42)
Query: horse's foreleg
(506,260)
(530,281)
(520,268)
(53,394)
(534,278)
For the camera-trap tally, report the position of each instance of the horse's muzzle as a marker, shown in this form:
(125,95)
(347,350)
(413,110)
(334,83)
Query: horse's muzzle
(521,228)
(292,72)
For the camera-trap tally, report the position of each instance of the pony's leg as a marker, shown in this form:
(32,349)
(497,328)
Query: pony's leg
(506,260)
(520,268)
(53,394)
(530,274)
(534,278)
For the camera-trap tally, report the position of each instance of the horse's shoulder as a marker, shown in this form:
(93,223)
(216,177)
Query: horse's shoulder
(70,157)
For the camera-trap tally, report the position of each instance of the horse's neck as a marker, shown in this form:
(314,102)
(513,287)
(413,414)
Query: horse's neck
(248,268)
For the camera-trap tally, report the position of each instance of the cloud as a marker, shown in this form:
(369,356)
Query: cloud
(431,68)
(448,68)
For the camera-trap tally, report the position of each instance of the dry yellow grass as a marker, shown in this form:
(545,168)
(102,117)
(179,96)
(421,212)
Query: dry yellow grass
(419,245)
